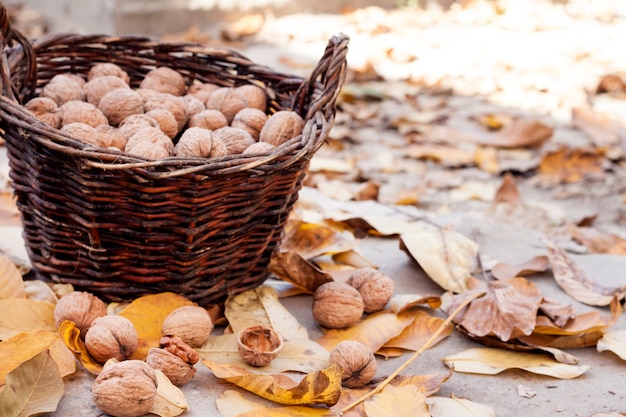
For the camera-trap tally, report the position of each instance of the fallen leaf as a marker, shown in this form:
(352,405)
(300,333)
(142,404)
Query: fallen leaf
(405,400)
(508,192)
(418,332)
(493,121)
(427,384)
(11,282)
(448,156)
(319,387)
(293,268)
(486,158)
(490,361)
(559,314)
(567,165)
(446,256)
(575,282)
(504,271)
(353,258)
(20,315)
(70,335)
(597,241)
(601,128)
(35,387)
(615,342)
(169,400)
(519,134)
(402,302)
(40,291)
(22,347)
(310,240)
(457,407)
(233,404)
(147,314)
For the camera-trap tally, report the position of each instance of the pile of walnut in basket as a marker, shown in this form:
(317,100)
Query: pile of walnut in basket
(163,117)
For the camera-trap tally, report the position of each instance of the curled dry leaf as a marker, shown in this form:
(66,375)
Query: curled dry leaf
(458,407)
(567,165)
(415,335)
(293,268)
(615,342)
(508,191)
(599,242)
(402,302)
(311,239)
(504,271)
(426,384)
(519,134)
(575,282)
(70,335)
(233,404)
(169,400)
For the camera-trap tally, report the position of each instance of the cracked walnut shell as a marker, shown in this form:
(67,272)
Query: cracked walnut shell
(357,361)
(375,288)
(111,337)
(258,345)
(174,358)
(337,305)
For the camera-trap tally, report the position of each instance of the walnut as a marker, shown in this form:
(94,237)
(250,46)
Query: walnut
(235,139)
(151,135)
(202,91)
(81,308)
(82,132)
(195,142)
(258,345)
(78,78)
(193,105)
(97,87)
(62,89)
(258,148)
(111,337)
(146,93)
(175,359)
(147,150)
(337,305)
(104,69)
(191,323)
(46,110)
(251,120)
(281,126)
(357,361)
(168,102)
(254,96)
(164,80)
(166,120)
(131,124)
(125,389)
(227,101)
(118,104)
(81,112)
(208,119)
(109,136)
(218,149)
(375,288)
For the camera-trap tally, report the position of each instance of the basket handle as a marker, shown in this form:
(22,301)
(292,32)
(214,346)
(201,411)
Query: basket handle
(8,38)
(331,73)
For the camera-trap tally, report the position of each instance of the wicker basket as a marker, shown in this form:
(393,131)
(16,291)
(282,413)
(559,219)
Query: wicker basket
(121,226)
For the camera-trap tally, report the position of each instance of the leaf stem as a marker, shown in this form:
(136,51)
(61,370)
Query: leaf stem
(417,353)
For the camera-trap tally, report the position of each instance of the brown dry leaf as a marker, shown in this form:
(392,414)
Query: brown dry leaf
(559,313)
(447,257)
(40,291)
(508,191)
(601,128)
(504,271)
(448,156)
(11,282)
(310,239)
(486,158)
(519,134)
(353,258)
(70,335)
(9,213)
(418,332)
(233,404)
(20,314)
(405,400)
(169,400)
(582,324)
(507,310)
(491,361)
(457,407)
(293,268)
(615,342)
(493,121)
(246,25)
(427,384)
(33,388)
(147,314)
(597,241)
(402,302)
(567,165)
(319,387)
(575,282)
(373,331)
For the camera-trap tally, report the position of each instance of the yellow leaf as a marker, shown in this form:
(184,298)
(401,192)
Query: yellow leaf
(292,267)
(353,258)
(568,165)
(615,342)
(404,401)
(418,332)
(446,256)
(33,388)
(19,315)
(491,361)
(426,384)
(169,400)
(70,335)
(147,314)
(40,291)
(233,404)
(320,387)
(11,282)
(457,407)
(403,302)
(373,331)
(22,347)
(63,357)
(310,240)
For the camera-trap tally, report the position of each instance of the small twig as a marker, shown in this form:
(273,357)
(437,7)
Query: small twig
(417,353)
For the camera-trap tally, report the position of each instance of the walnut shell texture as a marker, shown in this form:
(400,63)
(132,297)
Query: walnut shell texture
(111,337)
(63,88)
(79,307)
(46,110)
(254,96)
(168,102)
(357,361)
(81,112)
(103,69)
(166,120)
(97,87)
(235,139)
(259,148)
(227,101)
(202,91)
(109,136)
(193,105)
(251,120)
(131,124)
(82,132)
(375,288)
(258,345)
(148,150)
(281,126)
(195,142)
(208,119)
(118,104)
(150,135)
(177,370)
(191,323)
(337,305)
(164,80)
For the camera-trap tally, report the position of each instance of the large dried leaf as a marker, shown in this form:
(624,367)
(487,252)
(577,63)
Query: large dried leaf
(575,282)
(615,342)
(519,134)
(490,361)
(586,323)
(508,192)
(319,387)
(11,282)
(446,256)
(414,336)
(400,401)
(169,400)
(601,128)
(33,388)
(567,165)
(147,314)
(504,271)
(599,242)
(40,291)
(20,315)
(310,240)
(373,331)
(427,384)
(70,335)
(457,407)
(303,274)
(560,314)
(402,302)
(233,404)
(448,156)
